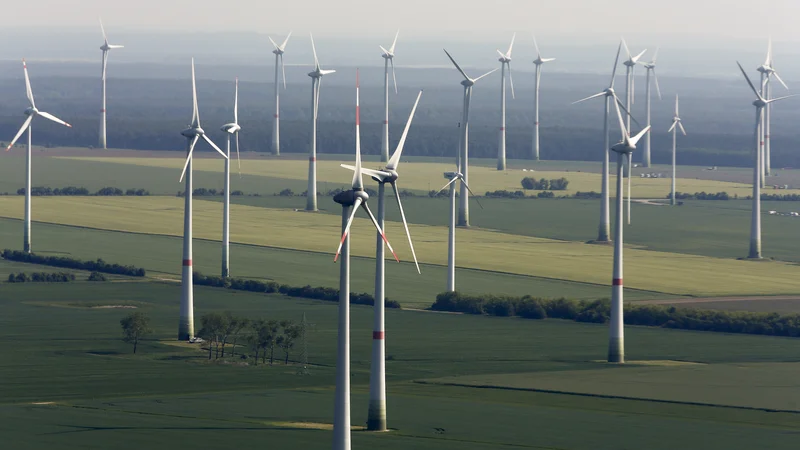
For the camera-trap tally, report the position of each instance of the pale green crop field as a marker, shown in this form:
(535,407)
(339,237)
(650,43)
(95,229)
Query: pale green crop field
(481,249)
(428,176)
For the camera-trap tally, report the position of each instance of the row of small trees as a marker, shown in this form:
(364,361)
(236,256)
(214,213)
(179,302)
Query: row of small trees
(261,336)
(558,184)
(598,311)
(41,277)
(271,287)
(702,196)
(72,190)
(72,263)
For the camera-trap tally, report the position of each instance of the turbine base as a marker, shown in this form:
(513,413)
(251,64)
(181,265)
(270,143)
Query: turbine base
(376,420)
(616,350)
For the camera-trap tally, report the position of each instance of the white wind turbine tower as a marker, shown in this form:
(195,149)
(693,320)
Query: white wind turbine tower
(676,123)
(505,60)
(468,83)
(279,69)
(105,48)
(231,129)
(388,57)
(376,419)
(616,341)
(354,198)
(316,83)
(538,62)
(603,233)
(193,134)
(31,112)
(767,72)
(454,177)
(755,229)
(650,67)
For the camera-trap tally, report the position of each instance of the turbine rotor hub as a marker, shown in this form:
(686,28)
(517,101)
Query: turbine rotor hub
(31,111)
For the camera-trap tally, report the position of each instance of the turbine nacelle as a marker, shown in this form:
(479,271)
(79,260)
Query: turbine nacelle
(452,175)
(231,128)
(625,147)
(278,51)
(468,83)
(31,111)
(348,197)
(193,132)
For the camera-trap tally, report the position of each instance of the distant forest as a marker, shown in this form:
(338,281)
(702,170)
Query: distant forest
(150,113)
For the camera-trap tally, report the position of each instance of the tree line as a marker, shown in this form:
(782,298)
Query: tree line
(72,263)
(598,311)
(82,191)
(558,184)
(41,277)
(272,287)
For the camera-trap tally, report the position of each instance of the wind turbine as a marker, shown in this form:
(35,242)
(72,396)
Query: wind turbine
(676,123)
(767,72)
(316,84)
(231,129)
(192,134)
(31,112)
(279,69)
(505,60)
(468,83)
(454,178)
(651,67)
(351,199)
(755,229)
(388,58)
(376,419)
(616,341)
(538,62)
(630,93)
(603,233)
(105,48)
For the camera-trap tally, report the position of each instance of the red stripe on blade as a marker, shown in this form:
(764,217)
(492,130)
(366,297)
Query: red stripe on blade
(378,335)
(617,281)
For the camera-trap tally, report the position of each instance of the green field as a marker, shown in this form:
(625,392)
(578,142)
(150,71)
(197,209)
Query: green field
(69,382)
(663,272)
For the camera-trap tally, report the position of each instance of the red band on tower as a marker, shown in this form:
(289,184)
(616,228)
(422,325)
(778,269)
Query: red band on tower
(276,116)
(187,263)
(502,128)
(102,110)
(386,122)
(536,123)
(617,281)
(378,335)
(312,159)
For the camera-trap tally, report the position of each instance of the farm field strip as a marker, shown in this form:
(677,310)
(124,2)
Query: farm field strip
(428,176)
(479,249)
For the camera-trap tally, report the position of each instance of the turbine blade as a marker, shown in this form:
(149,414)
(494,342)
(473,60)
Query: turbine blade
(682,130)
(236,103)
(273,43)
(189,158)
(636,58)
(347,227)
(630,170)
(238,161)
(286,41)
(658,89)
(394,43)
(544,60)
(636,138)
(774,99)
(749,82)
(105,64)
(457,66)
(470,192)
(394,161)
(511,46)
(500,53)
(536,45)
(674,123)
(768,61)
(627,50)
(195,112)
(655,55)
(28,89)
(590,97)
(622,128)
(357,181)
(283,70)
(485,75)
(616,62)
(381,175)
(54,118)
(214,146)
(677,112)
(778,77)
(383,50)
(394,76)
(19,133)
(103,29)
(377,227)
(314,49)
(626,111)
(511,80)
(405,224)
(446,185)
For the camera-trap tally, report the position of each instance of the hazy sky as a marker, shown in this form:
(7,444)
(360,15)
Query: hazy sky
(425,18)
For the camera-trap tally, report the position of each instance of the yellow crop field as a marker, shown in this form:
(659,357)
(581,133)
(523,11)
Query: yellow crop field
(476,248)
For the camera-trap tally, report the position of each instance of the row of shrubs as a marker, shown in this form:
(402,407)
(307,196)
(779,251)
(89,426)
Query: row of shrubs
(558,184)
(702,196)
(598,311)
(41,277)
(81,191)
(71,263)
(271,287)
(781,197)
(205,192)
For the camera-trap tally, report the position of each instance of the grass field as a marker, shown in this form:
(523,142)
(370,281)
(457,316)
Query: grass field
(427,176)
(69,382)
(478,249)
